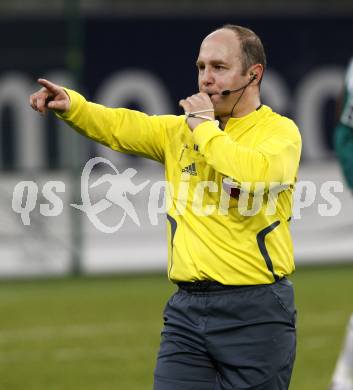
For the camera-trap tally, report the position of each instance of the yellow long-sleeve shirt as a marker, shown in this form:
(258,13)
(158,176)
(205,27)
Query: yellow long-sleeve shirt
(210,234)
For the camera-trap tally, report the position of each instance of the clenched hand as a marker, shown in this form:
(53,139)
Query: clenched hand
(199,102)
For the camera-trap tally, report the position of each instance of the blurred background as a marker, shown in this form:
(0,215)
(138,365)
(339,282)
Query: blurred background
(82,308)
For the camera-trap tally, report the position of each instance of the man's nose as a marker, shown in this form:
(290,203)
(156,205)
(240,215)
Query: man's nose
(207,77)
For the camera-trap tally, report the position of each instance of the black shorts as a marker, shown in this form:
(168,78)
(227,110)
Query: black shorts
(239,339)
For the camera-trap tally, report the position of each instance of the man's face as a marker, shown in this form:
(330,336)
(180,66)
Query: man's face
(219,66)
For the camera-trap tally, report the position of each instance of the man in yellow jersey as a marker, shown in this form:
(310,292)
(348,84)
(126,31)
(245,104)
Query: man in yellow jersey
(231,324)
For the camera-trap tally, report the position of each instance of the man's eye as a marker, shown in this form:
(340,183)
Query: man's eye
(219,67)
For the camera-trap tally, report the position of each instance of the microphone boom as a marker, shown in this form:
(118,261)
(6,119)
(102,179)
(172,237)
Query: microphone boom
(229,91)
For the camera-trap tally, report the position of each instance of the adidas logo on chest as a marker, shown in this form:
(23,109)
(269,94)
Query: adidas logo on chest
(190,169)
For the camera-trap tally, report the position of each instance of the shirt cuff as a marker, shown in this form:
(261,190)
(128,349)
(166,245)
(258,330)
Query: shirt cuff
(76,102)
(204,133)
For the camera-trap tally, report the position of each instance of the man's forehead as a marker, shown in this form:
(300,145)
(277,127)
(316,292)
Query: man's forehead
(224,35)
(220,44)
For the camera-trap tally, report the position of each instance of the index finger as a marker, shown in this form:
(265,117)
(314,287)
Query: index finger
(49,86)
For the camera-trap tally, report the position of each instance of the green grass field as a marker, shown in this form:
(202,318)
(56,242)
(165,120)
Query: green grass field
(103,333)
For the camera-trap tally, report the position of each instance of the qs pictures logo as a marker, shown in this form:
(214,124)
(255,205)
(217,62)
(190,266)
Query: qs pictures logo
(120,185)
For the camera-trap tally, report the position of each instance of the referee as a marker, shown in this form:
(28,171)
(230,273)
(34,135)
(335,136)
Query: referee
(231,324)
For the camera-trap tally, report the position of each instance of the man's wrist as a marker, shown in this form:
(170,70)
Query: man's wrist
(194,122)
(195,118)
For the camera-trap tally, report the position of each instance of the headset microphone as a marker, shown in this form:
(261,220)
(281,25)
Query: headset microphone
(229,91)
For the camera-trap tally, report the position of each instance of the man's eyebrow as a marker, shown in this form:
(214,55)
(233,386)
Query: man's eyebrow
(212,62)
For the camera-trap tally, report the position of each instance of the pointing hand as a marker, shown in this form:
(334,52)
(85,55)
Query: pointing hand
(51,96)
